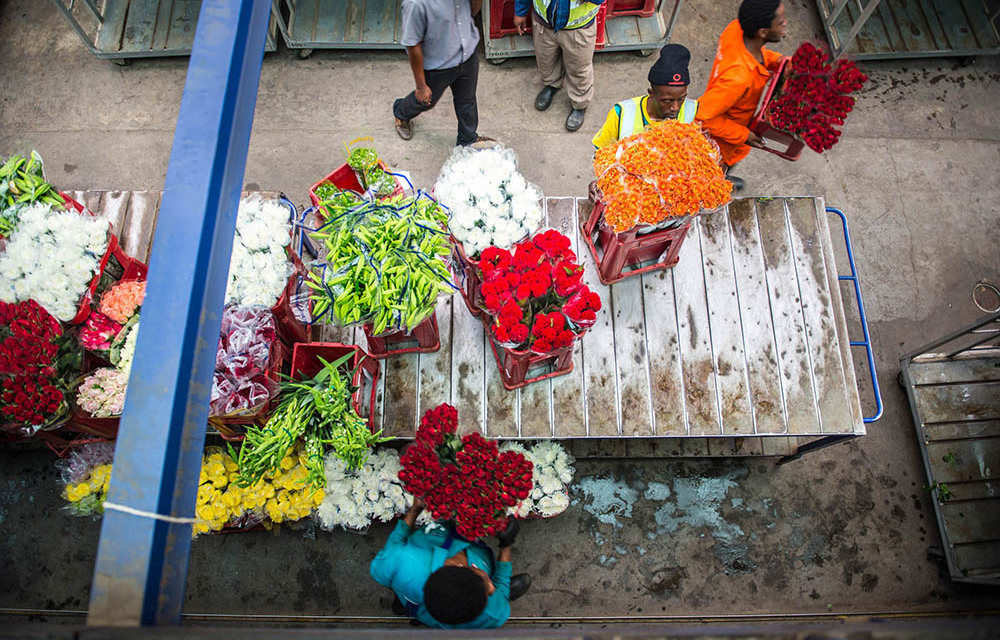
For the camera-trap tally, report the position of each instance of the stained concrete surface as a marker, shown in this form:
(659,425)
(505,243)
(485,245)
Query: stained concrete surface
(846,529)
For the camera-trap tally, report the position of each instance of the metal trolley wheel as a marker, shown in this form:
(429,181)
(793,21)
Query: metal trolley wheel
(986,296)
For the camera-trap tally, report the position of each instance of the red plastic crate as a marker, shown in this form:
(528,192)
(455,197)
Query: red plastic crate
(344,177)
(521,368)
(290,329)
(640,8)
(620,255)
(467,273)
(305,364)
(502,19)
(229,426)
(423,339)
(132,268)
(602,19)
(792,145)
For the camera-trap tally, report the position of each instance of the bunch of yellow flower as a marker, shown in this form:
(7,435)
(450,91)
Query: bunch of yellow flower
(87,496)
(280,496)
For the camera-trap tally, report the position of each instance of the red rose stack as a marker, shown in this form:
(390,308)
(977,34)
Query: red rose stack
(815,97)
(466,480)
(535,293)
(30,393)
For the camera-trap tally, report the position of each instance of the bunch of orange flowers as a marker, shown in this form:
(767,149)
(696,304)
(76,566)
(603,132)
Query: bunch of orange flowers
(669,170)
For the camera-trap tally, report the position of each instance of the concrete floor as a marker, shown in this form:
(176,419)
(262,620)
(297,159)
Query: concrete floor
(844,530)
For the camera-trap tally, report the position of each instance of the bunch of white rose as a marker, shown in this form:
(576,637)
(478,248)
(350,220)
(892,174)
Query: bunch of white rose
(490,203)
(354,499)
(551,474)
(259,268)
(51,258)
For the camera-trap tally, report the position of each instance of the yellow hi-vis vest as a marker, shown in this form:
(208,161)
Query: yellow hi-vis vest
(631,120)
(580,12)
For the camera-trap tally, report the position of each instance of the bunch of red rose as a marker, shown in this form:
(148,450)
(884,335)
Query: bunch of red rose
(466,480)
(31,342)
(815,97)
(535,293)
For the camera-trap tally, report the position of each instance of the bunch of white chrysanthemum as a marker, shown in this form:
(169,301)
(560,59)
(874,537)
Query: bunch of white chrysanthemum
(490,203)
(259,268)
(51,258)
(552,471)
(355,499)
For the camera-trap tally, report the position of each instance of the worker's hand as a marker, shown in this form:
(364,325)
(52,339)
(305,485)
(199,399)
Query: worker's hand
(423,94)
(507,536)
(521,24)
(418,504)
(756,141)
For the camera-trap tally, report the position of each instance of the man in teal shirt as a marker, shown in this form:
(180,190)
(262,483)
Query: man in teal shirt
(446,581)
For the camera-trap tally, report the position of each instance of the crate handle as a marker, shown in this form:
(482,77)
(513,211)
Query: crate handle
(866,343)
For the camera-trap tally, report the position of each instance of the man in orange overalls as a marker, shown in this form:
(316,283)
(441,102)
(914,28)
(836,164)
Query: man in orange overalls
(739,75)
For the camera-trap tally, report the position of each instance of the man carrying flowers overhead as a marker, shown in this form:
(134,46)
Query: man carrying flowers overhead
(665,99)
(740,73)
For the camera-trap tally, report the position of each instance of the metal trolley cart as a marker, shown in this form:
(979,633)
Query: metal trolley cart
(642,27)
(639,25)
(120,30)
(889,29)
(953,386)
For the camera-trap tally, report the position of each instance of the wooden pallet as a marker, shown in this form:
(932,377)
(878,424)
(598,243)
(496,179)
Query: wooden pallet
(741,349)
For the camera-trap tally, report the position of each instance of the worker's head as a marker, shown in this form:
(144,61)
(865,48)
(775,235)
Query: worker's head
(668,82)
(457,594)
(763,19)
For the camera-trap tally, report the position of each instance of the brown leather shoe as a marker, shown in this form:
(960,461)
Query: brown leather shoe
(404,129)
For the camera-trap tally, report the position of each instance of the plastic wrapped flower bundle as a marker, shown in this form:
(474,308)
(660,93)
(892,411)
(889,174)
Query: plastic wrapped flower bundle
(22,184)
(241,361)
(259,267)
(281,495)
(98,332)
(536,294)
(51,258)
(102,393)
(670,170)
(122,301)
(464,479)
(85,475)
(552,472)
(357,497)
(384,262)
(123,356)
(815,98)
(490,203)
(38,363)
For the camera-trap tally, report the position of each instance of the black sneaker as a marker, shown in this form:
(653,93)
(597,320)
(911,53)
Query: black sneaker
(519,585)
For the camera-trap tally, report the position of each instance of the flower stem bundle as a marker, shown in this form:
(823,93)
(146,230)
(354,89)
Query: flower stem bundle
(317,411)
(385,261)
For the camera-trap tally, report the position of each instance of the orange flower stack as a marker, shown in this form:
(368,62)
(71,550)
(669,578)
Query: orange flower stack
(121,301)
(669,170)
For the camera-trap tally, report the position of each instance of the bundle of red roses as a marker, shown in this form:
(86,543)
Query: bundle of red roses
(36,361)
(536,294)
(815,97)
(466,480)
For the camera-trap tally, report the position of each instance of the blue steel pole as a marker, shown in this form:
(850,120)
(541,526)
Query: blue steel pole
(142,561)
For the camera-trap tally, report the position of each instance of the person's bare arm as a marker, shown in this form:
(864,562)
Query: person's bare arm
(416,56)
(476,6)
(411,515)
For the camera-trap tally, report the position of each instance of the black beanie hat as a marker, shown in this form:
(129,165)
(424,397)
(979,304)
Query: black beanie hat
(672,67)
